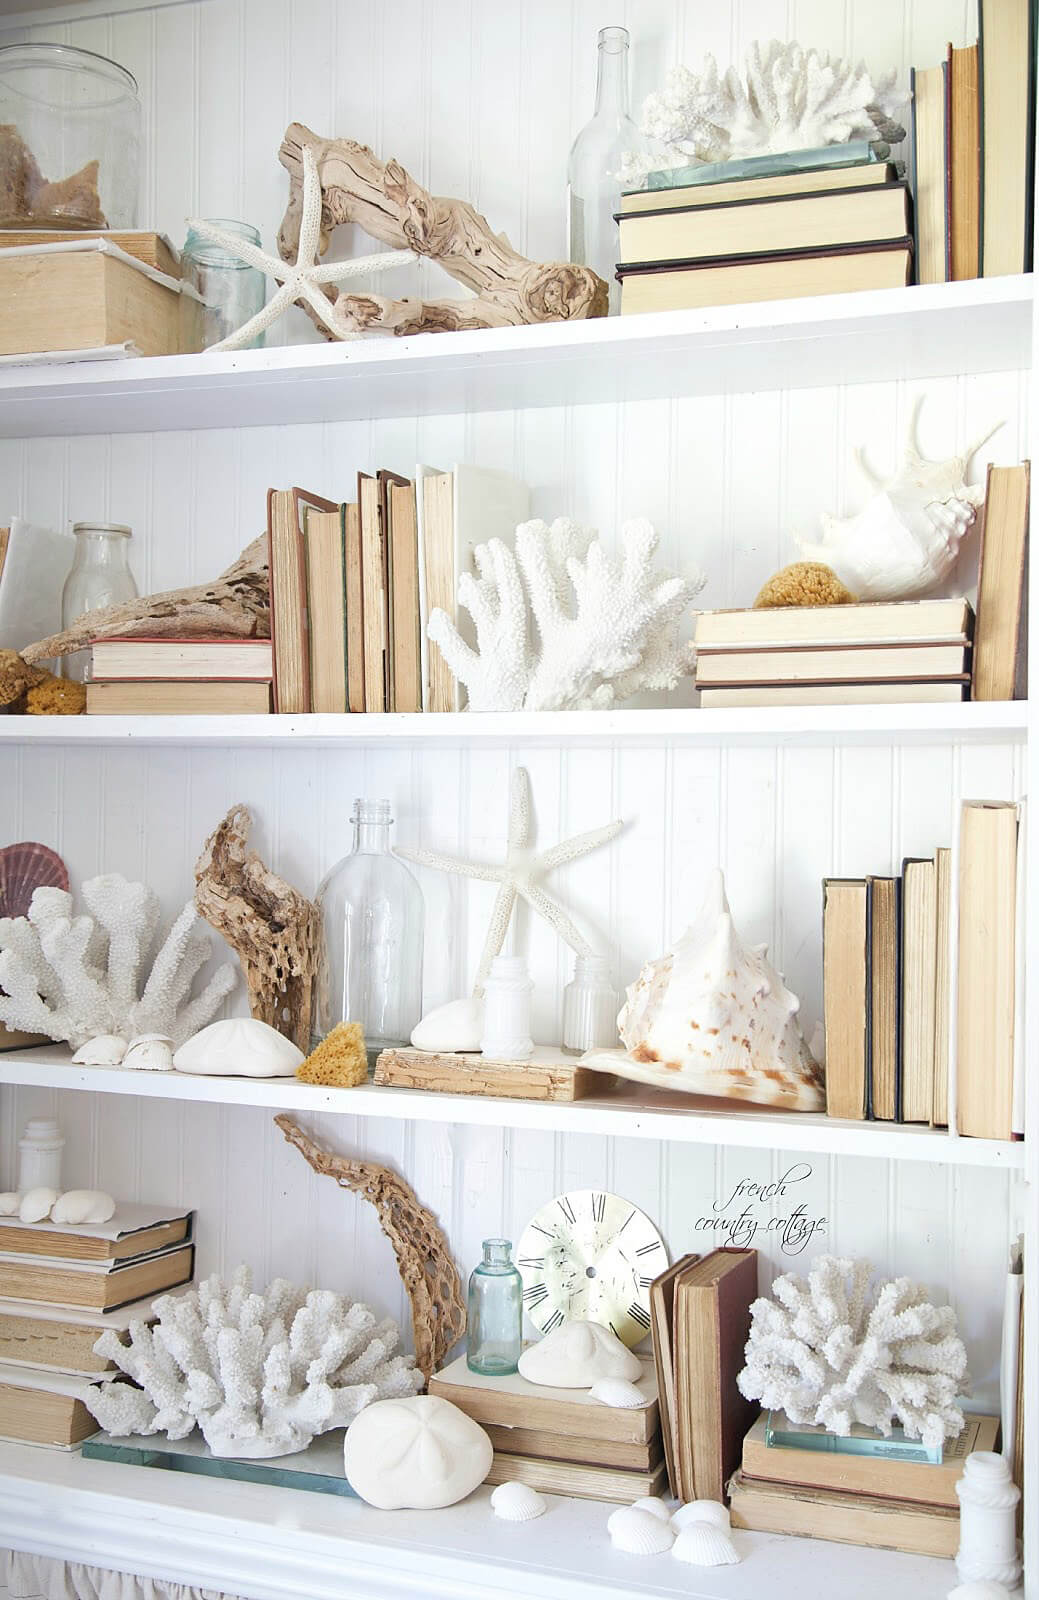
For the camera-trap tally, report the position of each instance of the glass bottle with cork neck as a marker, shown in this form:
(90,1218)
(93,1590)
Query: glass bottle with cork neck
(371,968)
(495,1324)
(99,576)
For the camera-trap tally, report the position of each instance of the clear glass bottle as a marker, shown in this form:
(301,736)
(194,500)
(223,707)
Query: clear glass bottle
(99,576)
(495,1325)
(590,1006)
(594,167)
(371,971)
(232,292)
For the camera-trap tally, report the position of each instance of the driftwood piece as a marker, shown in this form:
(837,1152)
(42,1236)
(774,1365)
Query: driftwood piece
(546,1075)
(274,930)
(237,603)
(388,203)
(423,1254)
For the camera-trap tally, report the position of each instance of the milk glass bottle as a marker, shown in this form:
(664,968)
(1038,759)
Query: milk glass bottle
(371,970)
(495,1323)
(590,1006)
(100,576)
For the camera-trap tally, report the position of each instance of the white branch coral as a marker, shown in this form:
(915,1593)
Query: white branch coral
(788,98)
(259,1374)
(561,625)
(828,1351)
(77,977)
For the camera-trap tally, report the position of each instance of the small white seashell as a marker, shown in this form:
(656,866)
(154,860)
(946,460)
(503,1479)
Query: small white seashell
(703,1545)
(517,1502)
(618,1392)
(577,1354)
(456,1026)
(36,1205)
(655,1507)
(107,1050)
(9,1204)
(150,1052)
(83,1205)
(639,1533)
(711,1511)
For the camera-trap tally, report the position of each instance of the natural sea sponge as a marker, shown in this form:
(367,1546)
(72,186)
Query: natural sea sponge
(17,677)
(340,1061)
(56,697)
(804,583)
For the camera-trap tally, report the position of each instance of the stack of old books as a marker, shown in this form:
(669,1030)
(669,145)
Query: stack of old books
(768,228)
(60,1286)
(907,650)
(867,1490)
(164,676)
(560,1440)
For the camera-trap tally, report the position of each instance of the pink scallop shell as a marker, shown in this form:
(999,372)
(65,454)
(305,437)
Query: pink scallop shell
(24,868)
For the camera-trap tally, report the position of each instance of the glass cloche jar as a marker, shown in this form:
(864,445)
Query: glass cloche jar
(70,133)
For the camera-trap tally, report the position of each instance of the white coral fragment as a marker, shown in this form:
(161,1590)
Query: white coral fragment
(259,1374)
(79,977)
(828,1350)
(561,625)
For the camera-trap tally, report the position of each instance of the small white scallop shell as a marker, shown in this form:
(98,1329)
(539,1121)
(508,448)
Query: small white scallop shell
(36,1204)
(711,1511)
(639,1533)
(83,1205)
(517,1502)
(703,1545)
(107,1050)
(655,1507)
(618,1392)
(9,1204)
(150,1052)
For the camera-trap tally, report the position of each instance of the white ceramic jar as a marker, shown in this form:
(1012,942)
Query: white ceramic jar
(988,1521)
(506,1010)
(39,1155)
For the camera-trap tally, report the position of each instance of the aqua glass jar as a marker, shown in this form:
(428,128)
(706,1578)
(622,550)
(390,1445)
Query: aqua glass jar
(495,1324)
(231,292)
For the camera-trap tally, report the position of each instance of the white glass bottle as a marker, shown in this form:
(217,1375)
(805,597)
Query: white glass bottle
(371,970)
(100,576)
(594,168)
(988,1497)
(39,1155)
(590,1006)
(506,1010)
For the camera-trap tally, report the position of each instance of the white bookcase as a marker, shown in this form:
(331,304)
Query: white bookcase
(732,430)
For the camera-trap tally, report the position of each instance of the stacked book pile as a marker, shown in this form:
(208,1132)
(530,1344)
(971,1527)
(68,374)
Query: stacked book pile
(841,655)
(700,1321)
(185,677)
(892,1493)
(897,989)
(755,233)
(560,1440)
(59,1287)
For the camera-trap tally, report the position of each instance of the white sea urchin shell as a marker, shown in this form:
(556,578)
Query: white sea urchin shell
(654,1506)
(618,1392)
(710,1511)
(703,1545)
(577,1354)
(639,1533)
(517,1502)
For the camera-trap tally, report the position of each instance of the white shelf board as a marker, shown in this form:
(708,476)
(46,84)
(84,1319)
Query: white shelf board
(629,1112)
(982,722)
(925,331)
(267,1543)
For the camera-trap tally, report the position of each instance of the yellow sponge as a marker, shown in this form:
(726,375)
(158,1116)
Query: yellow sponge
(805,583)
(340,1060)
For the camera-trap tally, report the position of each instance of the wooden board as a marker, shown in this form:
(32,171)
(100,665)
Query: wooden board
(547,1075)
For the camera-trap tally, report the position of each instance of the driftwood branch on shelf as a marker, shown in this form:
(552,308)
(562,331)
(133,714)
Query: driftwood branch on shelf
(274,930)
(236,603)
(388,203)
(424,1262)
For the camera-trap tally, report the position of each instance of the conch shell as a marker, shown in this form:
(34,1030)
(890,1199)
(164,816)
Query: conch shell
(906,539)
(714,1017)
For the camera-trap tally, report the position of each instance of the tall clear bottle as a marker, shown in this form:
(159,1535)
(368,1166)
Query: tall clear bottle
(593,171)
(371,970)
(495,1325)
(99,576)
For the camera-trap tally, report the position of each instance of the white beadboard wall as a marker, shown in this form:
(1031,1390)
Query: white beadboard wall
(483,101)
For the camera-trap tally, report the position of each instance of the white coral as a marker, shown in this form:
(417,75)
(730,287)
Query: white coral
(828,1351)
(76,977)
(259,1374)
(788,98)
(561,625)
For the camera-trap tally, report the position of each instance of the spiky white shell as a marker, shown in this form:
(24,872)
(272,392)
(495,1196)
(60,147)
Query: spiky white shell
(36,1204)
(77,1206)
(703,1545)
(654,1506)
(639,1533)
(714,1017)
(577,1354)
(107,1050)
(517,1502)
(710,1511)
(9,1204)
(618,1392)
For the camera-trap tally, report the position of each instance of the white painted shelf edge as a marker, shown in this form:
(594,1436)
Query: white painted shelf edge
(277,1544)
(630,1113)
(982,721)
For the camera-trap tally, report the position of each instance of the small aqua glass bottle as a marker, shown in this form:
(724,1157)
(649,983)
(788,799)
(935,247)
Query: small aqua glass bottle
(495,1312)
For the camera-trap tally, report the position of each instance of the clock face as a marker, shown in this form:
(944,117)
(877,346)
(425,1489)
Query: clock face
(590,1256)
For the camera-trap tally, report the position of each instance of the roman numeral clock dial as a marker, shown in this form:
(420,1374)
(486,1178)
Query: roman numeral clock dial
(590,1256)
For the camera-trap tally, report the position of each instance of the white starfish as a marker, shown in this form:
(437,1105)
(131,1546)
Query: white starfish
(520,875)
(300,279)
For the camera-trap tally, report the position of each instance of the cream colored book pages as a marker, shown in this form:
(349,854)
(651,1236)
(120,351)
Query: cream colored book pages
(919,948)
(942,975)
(1004,62)
(739,283)
(835,694)
(438,567)
(703,194)
(813,222)
(899,622)
(421,474)
(1017,1104)
(929,125)
(373,583)
(844,997)
(987,968)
